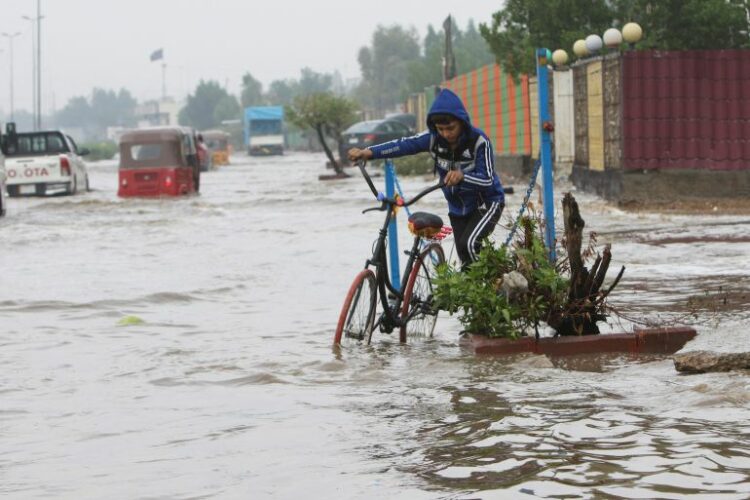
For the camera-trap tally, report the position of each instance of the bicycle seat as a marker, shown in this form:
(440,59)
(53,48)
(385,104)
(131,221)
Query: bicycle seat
(425,224)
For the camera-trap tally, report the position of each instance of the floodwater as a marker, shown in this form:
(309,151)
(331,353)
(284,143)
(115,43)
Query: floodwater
(182,349)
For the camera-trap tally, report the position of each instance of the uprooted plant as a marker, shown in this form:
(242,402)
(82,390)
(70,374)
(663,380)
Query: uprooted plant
(511,291)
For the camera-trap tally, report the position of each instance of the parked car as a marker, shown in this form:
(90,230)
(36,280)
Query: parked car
(408,119)
(45,162)
(159,161)
(371,132)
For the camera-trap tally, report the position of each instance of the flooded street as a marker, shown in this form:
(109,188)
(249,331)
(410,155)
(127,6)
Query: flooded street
(181,348)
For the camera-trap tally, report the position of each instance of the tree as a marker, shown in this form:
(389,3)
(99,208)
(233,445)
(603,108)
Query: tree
(227,109)
(75,113)
(105,108)
(252,91)
(524,25)
(428,69)
(200,111)
(325,113)
(109,108)
(385,66)
(281,92)
(311,82)
(688,24)
(470,49)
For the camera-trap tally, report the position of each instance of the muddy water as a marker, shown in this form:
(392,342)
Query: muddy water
(181,349)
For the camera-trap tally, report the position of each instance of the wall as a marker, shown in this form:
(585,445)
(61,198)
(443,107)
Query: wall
(686,110)
(499,105)
(564,136)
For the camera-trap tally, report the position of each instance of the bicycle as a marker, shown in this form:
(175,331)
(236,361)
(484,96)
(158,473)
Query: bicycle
(410,307)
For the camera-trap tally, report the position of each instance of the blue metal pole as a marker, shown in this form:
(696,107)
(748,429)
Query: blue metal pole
(545,129)
(390,190)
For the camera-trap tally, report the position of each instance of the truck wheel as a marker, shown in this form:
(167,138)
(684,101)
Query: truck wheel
(88,188)
(73,189)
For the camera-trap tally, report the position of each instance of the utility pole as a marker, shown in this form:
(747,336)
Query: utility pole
(33,20)
(10,38)
(38,124)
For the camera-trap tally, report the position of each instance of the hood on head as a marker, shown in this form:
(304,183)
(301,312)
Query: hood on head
(448,103)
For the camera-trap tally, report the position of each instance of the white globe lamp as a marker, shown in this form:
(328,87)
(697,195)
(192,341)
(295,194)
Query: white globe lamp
(612,38)
(593,43)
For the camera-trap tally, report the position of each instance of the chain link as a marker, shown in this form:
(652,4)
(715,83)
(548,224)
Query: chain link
(525,201)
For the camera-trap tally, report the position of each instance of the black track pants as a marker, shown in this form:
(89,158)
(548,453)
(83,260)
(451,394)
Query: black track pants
(469,230)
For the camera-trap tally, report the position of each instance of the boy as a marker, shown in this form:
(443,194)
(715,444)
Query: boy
(465,163)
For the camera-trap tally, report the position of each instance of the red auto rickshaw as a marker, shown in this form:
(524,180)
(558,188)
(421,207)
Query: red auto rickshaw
(158,162)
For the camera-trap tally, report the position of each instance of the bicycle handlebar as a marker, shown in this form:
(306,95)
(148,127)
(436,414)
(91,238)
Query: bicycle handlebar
(392,201)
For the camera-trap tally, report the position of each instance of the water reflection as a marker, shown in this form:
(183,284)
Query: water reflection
(227,385)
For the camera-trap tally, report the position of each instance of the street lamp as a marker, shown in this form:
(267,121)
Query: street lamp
(632,33)
(10,38)
(34,22)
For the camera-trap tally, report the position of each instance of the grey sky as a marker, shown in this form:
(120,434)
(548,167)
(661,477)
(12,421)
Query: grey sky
(107,43)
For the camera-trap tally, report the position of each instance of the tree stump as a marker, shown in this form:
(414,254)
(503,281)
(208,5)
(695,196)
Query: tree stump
(585,304)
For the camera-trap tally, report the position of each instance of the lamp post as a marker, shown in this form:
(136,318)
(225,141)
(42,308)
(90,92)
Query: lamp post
(38,64)
(34,22)
(632,33)
(10,38)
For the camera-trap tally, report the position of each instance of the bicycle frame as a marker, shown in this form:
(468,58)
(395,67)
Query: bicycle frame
(390,318)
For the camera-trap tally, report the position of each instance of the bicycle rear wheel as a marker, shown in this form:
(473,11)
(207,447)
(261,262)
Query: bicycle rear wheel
(358,313)
(418,304)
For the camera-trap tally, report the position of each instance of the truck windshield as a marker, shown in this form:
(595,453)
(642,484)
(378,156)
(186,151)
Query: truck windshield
(265,127)
(37,144)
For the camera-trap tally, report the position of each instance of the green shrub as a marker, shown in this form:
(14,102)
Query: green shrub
(104,150)
(419,164)
(485,306)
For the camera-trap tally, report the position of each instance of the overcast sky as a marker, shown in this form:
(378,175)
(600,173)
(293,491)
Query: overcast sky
(107,43)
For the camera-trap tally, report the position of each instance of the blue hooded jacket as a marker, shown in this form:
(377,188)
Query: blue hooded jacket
(473,156)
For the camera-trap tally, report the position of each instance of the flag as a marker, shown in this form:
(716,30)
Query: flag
(157,55)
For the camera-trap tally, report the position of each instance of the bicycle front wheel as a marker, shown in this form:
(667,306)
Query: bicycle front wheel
(418,309)
(358,313)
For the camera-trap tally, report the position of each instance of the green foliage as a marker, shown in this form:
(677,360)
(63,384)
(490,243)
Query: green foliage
(396,64)
(105,108)
(104,150)
(208,106)
(385,66)
(323,112)
(485,307)
(419,164)
(688,24)
(252,91)
(322,109)
(523,25)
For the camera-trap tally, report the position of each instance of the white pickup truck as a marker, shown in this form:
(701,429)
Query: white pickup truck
(2,183)
(41,163)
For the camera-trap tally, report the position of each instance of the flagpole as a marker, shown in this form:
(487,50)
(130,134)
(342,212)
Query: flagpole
(163,80)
